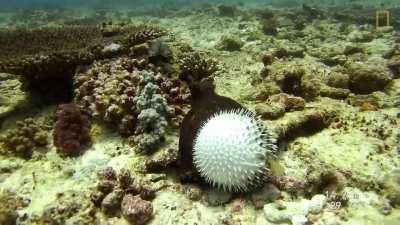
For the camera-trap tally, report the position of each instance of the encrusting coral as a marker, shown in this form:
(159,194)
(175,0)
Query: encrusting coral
(71,129)
(153,113)
(29,135)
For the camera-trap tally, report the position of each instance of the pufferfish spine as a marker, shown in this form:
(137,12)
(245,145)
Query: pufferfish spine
(231,149)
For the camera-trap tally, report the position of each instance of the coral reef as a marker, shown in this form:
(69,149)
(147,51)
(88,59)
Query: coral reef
(122,194)
(296,78)
(118,91)
(320,76)
(28,135)
(71,129)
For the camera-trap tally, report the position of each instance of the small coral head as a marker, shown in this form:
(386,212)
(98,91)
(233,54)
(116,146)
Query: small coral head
(231,149)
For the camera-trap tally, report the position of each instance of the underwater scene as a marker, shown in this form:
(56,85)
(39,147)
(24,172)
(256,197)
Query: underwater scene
(209,112)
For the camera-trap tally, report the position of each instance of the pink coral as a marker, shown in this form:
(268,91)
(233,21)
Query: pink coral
(71,130)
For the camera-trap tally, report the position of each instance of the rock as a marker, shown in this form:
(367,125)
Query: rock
(12,97)
(268,193)
(294,212)
(110,204)
(367,77)
(216,197)
(192,192)
(270,111)
(228,43)
(290,102)
(136,210)
(391,186)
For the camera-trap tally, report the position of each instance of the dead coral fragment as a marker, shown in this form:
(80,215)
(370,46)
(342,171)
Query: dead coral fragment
(28,136)
(71,130)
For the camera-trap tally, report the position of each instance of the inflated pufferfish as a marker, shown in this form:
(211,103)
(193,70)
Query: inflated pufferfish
(223,142)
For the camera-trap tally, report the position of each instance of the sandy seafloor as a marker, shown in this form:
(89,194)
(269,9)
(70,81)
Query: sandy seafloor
(368,163)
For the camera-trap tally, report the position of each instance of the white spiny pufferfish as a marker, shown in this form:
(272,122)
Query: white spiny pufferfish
(231,149)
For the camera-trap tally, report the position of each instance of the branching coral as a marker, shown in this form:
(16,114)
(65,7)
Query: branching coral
(195,66)
(71,130)
(152,119)
(135,99)
(26,137)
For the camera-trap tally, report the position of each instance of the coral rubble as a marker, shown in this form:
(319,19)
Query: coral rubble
(122,194)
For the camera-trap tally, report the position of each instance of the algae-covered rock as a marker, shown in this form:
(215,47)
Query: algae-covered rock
(12,95)
(9,203)
(365,78)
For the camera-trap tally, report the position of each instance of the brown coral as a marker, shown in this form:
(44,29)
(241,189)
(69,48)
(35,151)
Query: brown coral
(28,136)
(110,90)
(195,66)
(71,130)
